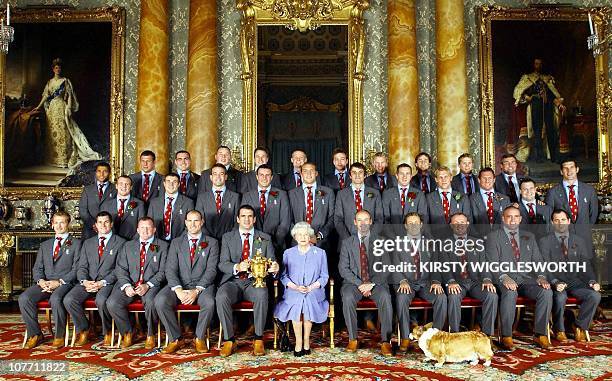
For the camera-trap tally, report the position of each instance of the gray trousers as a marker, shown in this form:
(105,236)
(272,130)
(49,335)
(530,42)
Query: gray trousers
(507,307)
(489,307)
(380,295)
(117,306)
(29,311)
(232,292)
(402,306)
(165,302)
(74,305)
(589,300)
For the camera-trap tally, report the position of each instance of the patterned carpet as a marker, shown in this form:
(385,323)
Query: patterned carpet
(590,361)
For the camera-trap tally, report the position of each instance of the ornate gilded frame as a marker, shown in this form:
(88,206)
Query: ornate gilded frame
(302,16)
(486,15)
(115,15)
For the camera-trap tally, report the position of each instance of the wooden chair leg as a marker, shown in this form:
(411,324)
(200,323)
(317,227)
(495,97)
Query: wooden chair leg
(331,333)
(473,318)
(158,333)
(275,336)
(49,322)
(588,337)
(73,336)
(25,339)
(220,335)
(207,337)
(67,334)
(112,333)
(399,333)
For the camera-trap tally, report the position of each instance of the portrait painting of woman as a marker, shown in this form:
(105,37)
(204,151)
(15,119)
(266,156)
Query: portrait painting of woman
(66,145)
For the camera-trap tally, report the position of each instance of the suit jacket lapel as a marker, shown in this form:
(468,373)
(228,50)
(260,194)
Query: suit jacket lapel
(302,203)
(151,254)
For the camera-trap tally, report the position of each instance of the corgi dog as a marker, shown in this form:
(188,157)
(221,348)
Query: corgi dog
(452,347)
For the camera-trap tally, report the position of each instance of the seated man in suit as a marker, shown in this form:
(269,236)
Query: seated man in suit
(96,276)
(261,155)
(577,198)
(125,209)
(189,180)
(168,210)
(381,179)
(191,268)
(486,205)
(507,182)
(535,214)
(340,178)
(403,198)
(147,184)
(293,179)
(464,181)
(93,196)
(238,247)
(424,284)
(443,203)
(460,283)
(565,246)
(140,274)
(511,245)
(361,280)
(54,273)
(423,179)
(219,206)
(314,204)
(354,198)
(223,156)
(272,210)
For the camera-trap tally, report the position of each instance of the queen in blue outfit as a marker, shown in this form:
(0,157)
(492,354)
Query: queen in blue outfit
(304,277)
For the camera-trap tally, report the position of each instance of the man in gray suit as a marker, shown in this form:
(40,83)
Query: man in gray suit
(465,181)
(147,184)
(535,214)
(293,178)
(362,279)
(238,248)
(340,178)
(54,273)
(560,247)
(443,203)
(261,155)
(486,205)
(223,156)
(507,182)
(314,204)
(403,199)
(272,210)
(511,246)
(140,274)
(219,206)
(354,198)
(426,285)
(124,208)
(191,268)
(577,198)
(461,282)
(381,179)
(189,180)
(93,196)
(169,209)
(96,278)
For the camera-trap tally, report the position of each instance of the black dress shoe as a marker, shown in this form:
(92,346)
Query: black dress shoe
(298,354)
(305,352)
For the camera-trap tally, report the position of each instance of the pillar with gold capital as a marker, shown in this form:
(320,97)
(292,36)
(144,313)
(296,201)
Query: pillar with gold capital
(153,82)
(451,76)
(202,92)
(403,94)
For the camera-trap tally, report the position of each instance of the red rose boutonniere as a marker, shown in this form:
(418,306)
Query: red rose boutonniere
(153,247)
(68,242)
(203,245)
(131,205)
(320,193)
(411,196)
(273,193)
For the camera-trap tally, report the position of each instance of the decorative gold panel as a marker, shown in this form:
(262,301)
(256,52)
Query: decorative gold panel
(302,15)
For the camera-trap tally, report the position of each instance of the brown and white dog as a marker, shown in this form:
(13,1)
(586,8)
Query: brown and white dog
(452,347)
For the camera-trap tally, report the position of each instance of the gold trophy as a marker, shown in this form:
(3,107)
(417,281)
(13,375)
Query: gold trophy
(259,269)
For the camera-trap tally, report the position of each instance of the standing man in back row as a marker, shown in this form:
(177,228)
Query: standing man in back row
(234,176)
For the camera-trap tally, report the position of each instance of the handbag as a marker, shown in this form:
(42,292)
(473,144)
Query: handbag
(284,344)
